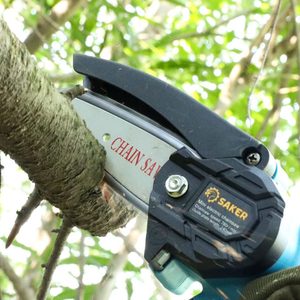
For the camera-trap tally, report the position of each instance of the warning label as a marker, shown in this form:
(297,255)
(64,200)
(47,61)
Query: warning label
(220,210)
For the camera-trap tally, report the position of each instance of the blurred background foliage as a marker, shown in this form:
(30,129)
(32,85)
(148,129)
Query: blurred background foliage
(213,50)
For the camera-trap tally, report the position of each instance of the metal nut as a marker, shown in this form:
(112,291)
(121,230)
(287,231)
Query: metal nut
(176,186)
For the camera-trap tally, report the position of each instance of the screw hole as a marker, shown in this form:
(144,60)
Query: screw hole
(106,137)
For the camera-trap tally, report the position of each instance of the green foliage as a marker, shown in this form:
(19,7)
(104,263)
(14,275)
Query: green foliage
(68,293)
(194,45)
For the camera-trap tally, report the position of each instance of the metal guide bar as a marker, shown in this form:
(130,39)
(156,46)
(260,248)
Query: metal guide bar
(136,149)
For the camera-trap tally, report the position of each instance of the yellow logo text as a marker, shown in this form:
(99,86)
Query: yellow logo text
(213,195)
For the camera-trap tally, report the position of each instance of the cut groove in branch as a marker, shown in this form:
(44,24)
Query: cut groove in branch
(51,264)
(32,203)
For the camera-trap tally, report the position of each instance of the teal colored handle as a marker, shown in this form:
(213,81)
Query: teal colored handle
(177,277)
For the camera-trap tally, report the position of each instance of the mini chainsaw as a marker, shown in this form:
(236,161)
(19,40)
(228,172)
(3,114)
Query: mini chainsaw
(216,199)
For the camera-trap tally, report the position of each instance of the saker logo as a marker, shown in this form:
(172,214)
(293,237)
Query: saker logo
(212,194)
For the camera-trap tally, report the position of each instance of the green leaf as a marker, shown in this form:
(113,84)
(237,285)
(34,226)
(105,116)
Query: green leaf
(129,287)
(177,2)
(67,293)
(129,267)
(175,35)
(90,260)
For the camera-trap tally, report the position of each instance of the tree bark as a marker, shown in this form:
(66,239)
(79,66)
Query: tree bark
(47,25)
(40,130)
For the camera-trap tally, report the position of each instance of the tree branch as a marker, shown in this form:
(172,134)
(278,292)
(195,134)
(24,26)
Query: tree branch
(118,262)
(277,102)
(213,28)
(130,247)
(1,167)
(265,55)
(48,25)
(23,290)
(32,203)
(276,107)
(51,264)
(231,83)
(287,45)
(65,78)
(79,295)
(73,92)
(272,144)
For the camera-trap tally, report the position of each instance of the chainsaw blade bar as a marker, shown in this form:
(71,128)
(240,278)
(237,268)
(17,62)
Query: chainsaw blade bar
(136,147)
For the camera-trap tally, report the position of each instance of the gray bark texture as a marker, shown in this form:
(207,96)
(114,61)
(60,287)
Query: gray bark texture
(40,130)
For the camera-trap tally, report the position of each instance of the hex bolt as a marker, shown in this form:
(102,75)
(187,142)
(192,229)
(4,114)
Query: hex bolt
(176,186)
(253,159)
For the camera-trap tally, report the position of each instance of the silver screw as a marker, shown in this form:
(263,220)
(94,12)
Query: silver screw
(253,159)
(176,186)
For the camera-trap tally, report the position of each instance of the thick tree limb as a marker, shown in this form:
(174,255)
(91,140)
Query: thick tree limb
(40,130)
(48,25)
(23,290)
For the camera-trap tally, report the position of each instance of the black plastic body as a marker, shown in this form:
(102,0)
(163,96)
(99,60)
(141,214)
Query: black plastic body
(200,244)
(210,135)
